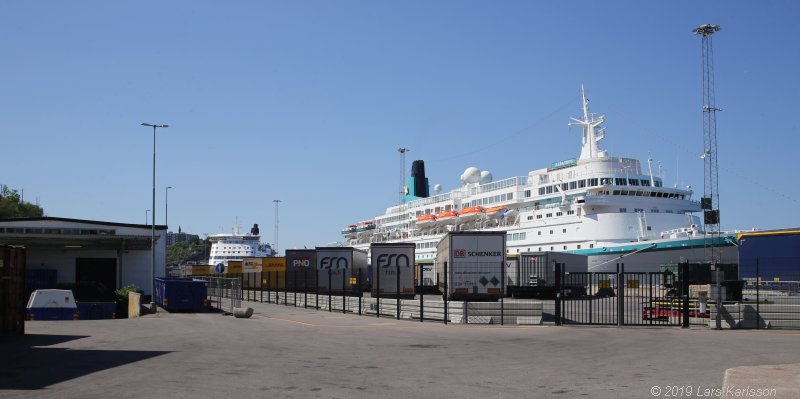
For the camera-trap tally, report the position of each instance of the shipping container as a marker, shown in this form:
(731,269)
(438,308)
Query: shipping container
(475,264)
(339,267)
(181,294)
(301,270)
(395,270)
(533,275)
(772,255)
(52,305)
(12,291)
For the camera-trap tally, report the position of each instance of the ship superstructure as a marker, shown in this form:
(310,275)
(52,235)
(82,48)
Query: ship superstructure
(597,204)
(237,246)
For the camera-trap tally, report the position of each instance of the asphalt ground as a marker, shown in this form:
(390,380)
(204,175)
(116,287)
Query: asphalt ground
(288,352)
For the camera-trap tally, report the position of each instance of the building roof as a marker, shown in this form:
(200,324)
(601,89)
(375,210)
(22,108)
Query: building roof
(746,234)
(57,219)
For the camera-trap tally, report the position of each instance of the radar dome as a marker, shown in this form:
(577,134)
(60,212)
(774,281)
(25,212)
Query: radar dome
(471,175)
(486,177)
(437,188)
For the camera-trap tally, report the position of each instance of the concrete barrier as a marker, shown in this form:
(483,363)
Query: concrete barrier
(242,313)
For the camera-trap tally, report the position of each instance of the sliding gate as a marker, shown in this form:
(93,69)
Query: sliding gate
(622,299)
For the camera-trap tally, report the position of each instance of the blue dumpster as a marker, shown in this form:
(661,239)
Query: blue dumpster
(181,294)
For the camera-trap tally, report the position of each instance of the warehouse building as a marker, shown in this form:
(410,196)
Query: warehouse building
(92,258)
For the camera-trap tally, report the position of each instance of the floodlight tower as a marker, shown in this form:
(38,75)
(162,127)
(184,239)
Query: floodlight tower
(402,151)
(710,200)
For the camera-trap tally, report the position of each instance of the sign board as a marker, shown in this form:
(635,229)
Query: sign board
(234,267)
(275,264)
(476,263)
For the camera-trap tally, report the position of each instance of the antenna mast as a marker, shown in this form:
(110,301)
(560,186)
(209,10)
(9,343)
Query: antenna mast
(710,200)
(402,151)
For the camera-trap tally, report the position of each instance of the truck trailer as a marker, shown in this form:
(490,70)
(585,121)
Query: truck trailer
(393,268)
(471,265)
(301,266)
(339,269)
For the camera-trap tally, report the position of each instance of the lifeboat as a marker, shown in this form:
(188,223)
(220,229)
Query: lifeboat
(365,226)
(471,213)
(447,217)
(350,231)
(426,220)
(495,211)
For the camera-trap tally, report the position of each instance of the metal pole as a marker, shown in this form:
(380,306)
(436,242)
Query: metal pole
(684,275)
(377,271)
(421,301)
(305,288)
(344,291)
(445,292)
(397,293)
(502,291)
(153,228)
(557,272)
(360,291)
(719,296)
(330,305)
(758,296)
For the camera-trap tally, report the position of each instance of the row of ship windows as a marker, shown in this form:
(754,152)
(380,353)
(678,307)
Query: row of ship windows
(225,257)
(62,231)
(540,249)
(492,200)
(574,185)
(550,214)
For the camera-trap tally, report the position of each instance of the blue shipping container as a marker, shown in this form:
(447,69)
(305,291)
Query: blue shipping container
(770,254)
(176,294)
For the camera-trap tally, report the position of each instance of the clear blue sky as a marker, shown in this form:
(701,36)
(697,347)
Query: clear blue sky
(307,101)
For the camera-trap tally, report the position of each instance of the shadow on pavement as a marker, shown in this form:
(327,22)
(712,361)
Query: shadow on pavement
(26,365)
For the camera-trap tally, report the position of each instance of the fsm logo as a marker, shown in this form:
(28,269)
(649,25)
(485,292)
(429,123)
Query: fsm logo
(386,260)
(334,262)
(459,253)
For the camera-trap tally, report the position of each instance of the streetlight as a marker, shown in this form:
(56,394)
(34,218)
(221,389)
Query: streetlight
(166,206)
(277,201)
(153,226)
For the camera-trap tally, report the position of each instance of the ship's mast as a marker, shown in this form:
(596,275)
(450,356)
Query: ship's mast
(591,134)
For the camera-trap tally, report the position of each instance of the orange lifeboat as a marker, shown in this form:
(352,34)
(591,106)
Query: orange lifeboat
(426,220)
(447,217)
(471,213)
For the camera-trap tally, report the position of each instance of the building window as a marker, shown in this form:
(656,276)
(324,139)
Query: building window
(623,210)
(564,230)
(633,182)
(581,183)
(559,213)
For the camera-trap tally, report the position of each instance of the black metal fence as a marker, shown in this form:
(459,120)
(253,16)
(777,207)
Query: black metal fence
(770,296)
(479,294)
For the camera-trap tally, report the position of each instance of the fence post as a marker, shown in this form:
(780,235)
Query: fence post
(446,293)
(557,273)
(360,290)
(718,273)
(377,272)
(330,303)
(261,285)
(758,296)
(421,301)
(620,294)
(344,292)
(285,287)
(316,296)
(294,286)
(305,288)
(241,284)
(397,293)
(502,291)
(683,273)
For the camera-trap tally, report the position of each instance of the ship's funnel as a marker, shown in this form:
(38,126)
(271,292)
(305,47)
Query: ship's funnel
(254,229)
(417,185)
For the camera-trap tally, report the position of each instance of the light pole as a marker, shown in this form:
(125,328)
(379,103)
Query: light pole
(166,206)
(146,217)
(153,226)
(277,201)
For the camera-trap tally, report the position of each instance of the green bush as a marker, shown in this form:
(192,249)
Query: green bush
(122,293)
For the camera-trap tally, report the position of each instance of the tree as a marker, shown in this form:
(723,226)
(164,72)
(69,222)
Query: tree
(12,205)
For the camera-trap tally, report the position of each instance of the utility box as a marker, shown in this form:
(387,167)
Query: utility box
(52,305)
(474,264)
(393,269)
(336,266)
(181,294)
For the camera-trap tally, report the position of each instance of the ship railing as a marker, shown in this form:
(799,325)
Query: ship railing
(500,184)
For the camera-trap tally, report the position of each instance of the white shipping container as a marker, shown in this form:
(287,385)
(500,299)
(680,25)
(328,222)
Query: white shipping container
(337,265)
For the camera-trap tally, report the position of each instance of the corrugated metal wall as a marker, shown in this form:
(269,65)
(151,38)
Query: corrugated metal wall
(12,291)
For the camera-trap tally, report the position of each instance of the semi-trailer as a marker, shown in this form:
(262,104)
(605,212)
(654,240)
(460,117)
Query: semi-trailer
(471,265)
(301,269)
(342,269)
(393,268)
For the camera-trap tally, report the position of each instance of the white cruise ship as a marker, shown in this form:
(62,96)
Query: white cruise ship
(236,246)
(599,205)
